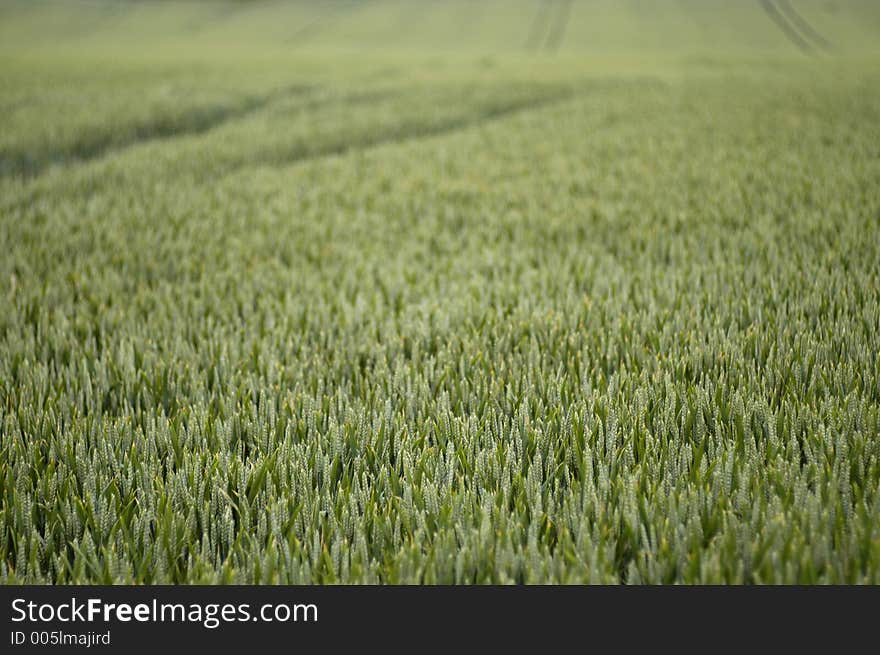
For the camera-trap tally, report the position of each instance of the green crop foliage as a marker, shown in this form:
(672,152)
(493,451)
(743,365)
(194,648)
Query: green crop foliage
(423,292)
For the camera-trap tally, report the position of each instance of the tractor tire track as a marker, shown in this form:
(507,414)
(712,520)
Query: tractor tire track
(29,162)
(557,30)
(413,129)
(801,23)
(417,130)
(786,27)
(539,25)
(548,26)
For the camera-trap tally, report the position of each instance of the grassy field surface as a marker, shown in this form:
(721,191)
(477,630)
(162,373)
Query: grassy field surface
(440,292)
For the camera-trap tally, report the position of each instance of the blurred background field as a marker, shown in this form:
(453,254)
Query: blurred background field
(658,28)
(82,77)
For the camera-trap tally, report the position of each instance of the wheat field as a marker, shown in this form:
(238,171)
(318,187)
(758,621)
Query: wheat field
(429,292)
